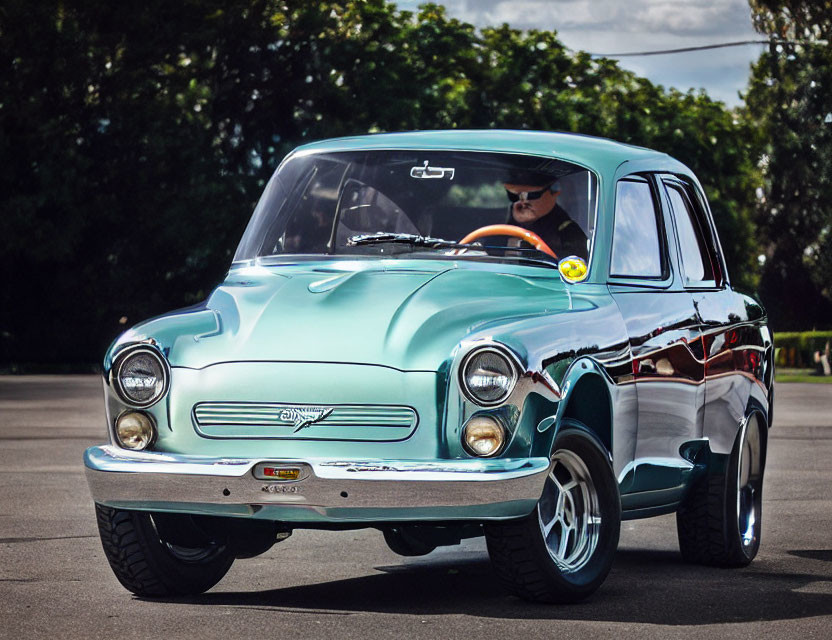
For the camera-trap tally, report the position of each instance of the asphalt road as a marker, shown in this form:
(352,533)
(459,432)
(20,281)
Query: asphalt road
(55,581)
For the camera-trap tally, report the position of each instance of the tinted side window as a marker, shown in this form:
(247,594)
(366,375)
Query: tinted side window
(696,261)
(636,249)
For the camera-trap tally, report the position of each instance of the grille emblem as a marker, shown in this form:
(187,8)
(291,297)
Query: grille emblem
(301,417)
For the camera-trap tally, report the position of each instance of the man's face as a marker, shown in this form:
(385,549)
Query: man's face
(526,211)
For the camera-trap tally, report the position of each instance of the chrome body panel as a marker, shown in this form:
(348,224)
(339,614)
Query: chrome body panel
(739,366)
(668,373)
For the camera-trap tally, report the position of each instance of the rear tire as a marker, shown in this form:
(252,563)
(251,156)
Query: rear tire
(149,565)
(564,549)
(719,523)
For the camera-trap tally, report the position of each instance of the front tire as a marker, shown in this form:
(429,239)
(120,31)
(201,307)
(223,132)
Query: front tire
(149,562)
(719,523)
(564,549)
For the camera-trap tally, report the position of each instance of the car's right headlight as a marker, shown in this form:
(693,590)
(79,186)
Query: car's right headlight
(140,376)
(488,376)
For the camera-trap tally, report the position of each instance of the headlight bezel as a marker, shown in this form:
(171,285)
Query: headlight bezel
(122,358)
(463,375)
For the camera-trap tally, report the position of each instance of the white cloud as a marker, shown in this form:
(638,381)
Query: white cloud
(614,26)
(699,17)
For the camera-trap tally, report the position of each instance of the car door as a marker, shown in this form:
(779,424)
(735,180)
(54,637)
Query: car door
(731,343)
(665,341)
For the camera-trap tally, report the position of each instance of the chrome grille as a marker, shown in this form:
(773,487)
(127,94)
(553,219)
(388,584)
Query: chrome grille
(284,420)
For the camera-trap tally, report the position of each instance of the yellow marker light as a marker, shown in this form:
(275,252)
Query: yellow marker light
(572,269)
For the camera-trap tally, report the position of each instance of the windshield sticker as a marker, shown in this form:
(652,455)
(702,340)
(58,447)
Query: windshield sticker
(427,172)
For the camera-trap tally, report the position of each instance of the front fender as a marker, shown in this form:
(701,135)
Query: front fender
(587,392)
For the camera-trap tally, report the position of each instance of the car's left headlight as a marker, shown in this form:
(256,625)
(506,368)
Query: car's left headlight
(488,376)
(140,376)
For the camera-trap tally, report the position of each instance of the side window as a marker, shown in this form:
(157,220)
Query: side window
(697,263)
(636,245)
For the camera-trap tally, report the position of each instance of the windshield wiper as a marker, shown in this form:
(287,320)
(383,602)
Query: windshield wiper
(416,240)
(402,238)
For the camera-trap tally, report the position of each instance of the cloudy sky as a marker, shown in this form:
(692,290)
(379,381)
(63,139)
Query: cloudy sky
(614,26)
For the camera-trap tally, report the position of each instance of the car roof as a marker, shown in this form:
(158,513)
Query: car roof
(602,154)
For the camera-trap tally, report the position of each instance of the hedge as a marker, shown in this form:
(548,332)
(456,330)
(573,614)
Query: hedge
(795,349)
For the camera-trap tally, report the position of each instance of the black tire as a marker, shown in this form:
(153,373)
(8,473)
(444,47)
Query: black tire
(720,521)
(148,565)
(402,542)
(519,552)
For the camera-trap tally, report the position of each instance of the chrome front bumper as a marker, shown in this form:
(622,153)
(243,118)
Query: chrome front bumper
(326,491)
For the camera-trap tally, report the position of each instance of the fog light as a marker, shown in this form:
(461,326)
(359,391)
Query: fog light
(135,430)
(483,436)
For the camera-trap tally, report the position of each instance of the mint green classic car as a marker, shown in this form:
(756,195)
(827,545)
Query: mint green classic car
(524,335)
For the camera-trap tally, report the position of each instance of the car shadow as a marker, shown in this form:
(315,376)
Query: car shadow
(813,554)
(654,587)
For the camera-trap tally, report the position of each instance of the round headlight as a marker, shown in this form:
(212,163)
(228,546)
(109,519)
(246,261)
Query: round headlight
(483,436)
(141,377)
(488,377)
(135,430)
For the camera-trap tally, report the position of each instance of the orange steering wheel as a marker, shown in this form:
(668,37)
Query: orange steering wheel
(510,230)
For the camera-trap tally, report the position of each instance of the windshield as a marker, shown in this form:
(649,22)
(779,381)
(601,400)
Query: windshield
(352,203)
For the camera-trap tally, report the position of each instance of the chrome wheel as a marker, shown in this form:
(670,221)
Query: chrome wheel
(749,483)
(569,512)
(563,550)
(719,522)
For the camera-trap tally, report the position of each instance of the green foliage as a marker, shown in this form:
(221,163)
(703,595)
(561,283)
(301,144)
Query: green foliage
(790,95)
(136,137)
(786,376)
(797,349)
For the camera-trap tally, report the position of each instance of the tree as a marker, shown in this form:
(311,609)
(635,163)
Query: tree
(790,96)
(136,137)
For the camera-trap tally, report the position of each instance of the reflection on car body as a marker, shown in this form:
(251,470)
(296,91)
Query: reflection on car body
(395,347)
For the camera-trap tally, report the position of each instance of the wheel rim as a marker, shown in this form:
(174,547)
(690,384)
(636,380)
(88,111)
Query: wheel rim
(749,484)
(569,512)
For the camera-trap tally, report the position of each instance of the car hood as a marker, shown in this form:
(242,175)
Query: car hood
(409,316)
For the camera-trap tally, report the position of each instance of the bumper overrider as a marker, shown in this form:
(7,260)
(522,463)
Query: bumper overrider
(317,491)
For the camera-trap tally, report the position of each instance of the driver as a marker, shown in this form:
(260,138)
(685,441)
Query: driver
(535,207)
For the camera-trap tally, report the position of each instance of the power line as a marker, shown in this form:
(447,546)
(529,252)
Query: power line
(721,45)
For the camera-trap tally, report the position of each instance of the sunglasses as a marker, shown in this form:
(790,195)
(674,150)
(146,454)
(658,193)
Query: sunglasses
(528,195)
